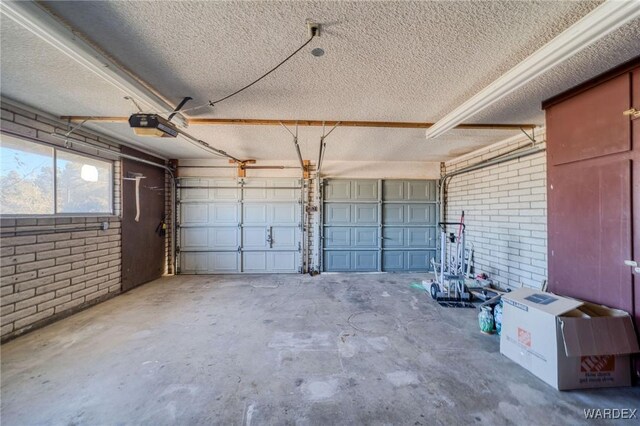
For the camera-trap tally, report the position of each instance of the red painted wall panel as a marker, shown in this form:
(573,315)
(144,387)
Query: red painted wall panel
(590,231)
(590,124)
(592,183)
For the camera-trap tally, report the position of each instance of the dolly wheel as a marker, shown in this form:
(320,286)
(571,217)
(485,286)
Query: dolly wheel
(434,290)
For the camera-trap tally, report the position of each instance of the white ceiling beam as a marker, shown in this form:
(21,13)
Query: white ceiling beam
(601,21)
(38,21)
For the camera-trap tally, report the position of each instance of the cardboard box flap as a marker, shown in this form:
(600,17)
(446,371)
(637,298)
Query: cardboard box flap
(606,335)
(525,298)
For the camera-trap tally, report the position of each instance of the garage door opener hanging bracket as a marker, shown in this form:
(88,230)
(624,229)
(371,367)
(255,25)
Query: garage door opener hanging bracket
(323,146)
(304,164)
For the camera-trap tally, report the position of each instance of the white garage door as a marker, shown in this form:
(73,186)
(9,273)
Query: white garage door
(246,225)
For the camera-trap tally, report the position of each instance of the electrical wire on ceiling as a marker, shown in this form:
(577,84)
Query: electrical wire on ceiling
(210,103)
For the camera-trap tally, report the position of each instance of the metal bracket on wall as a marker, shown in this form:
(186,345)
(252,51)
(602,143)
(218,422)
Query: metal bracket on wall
(531,137)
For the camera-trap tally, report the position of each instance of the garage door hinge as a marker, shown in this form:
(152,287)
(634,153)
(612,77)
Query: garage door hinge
(177,249)
(239,249)
(299,246)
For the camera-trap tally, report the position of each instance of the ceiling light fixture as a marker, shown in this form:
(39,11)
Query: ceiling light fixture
(604,19)
(34,18)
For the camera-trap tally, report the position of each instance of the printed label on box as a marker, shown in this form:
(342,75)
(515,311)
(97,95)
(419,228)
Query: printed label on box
(517,304)
(596,364)
(524,337)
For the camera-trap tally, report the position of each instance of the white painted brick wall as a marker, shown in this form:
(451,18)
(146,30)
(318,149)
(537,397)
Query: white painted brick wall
(48,276)
(505,213)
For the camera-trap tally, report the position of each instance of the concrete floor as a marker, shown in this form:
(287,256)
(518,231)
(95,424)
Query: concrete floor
(282,349)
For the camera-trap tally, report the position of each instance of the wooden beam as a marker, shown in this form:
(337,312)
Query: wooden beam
(311,123)
(242,166)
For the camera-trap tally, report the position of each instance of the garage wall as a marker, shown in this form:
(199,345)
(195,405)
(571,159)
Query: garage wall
(505,212)
(44,277)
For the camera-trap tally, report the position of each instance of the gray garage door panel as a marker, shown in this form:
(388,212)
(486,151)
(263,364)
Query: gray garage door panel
(351,190)
(400,237)
(409,214)
(347,237)
(418,190)
(414,261)
(351,261)
(351,214)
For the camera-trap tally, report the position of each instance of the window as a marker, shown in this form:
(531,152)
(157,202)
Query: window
(39,180)
(26,178)
(83,185)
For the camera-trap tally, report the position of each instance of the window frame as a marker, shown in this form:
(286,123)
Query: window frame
(55,214)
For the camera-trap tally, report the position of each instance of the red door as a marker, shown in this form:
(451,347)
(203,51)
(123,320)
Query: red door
(143,249)
(593,194)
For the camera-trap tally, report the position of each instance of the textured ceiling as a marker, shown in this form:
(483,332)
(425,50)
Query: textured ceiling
(411,61)
(400,61)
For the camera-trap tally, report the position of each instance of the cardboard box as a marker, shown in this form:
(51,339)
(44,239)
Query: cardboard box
(568,343)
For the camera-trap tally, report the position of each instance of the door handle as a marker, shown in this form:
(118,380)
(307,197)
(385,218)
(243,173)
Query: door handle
(633,113)
(270,237)
(634,265)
